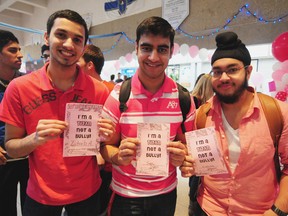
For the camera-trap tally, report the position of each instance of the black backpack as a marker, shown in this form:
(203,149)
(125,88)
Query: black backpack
(184,99)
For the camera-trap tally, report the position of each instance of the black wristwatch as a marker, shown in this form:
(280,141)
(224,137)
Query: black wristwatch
(278,211)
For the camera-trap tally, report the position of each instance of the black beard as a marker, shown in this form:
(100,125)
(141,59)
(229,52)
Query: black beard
(230,99)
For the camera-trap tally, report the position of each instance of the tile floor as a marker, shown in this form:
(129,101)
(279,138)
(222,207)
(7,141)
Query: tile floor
(182,198)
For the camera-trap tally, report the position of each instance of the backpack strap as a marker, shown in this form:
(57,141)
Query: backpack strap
(185,103)
(274,119)
(184,99)
(124,94)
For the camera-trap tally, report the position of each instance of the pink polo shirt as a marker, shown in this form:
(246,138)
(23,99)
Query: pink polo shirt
(53,180)
(143,107)
(252,188)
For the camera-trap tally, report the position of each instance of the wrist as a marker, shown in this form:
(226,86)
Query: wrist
(114,157)
(278,211)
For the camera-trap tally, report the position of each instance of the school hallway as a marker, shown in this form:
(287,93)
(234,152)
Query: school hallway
(182,197)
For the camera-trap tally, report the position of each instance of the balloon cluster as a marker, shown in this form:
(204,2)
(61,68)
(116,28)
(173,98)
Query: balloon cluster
(192,51)
(280,74)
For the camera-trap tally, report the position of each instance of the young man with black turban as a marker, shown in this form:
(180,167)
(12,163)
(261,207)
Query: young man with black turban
(250,187)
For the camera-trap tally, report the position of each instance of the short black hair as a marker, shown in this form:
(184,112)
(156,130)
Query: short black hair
(94,54)
(70,15)
(44,48)
(6,37)
(156,26)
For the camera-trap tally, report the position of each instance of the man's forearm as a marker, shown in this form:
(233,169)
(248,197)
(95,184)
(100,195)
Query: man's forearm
(109,153)
(21,147)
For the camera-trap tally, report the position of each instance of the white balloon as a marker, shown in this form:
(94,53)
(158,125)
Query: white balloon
(284,65)
(276,66)
(184,49)
(279,85)
(203,54)
(122,60)
(285,79)
(134,56)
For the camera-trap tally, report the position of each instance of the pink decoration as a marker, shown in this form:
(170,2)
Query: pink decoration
(272,86)
(284,66)
(176,48)
(280,47)
(284,79)
(281,95)
(286,89)
(193,51)
(277,75)
(117,65)
(128,57)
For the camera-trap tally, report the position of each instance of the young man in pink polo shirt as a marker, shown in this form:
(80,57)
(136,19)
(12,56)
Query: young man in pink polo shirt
(153,99)
(34,112)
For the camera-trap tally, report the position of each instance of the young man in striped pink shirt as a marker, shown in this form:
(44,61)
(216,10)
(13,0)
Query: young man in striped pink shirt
(153,99)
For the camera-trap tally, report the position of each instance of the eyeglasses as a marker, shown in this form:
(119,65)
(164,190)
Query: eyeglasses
(216,73)
(45,56)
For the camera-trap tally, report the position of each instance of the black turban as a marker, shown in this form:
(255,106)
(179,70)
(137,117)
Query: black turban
(229,46)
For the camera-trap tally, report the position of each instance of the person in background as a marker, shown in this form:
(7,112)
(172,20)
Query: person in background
(112,77)
(92,63)
(34,112)
(45,52)
(155,100)
(11,172)
(119,79)
(202,90)
(251,186)
(125,77)
(202,74)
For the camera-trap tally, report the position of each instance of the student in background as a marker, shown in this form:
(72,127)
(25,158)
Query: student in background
(45,52)
(119,79)
(112,77)
(34,113)
(92,63)
(11,172)
(202,90)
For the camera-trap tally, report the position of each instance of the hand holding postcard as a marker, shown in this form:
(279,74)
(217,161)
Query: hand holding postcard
(203,146)
(82,136)
(152,157)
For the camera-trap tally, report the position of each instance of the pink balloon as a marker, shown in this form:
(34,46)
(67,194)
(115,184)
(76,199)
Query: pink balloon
(277,75)
(176,48)
(284,66)
(193,51)
(280,47)
(281,95)
(128,57)
(117,65)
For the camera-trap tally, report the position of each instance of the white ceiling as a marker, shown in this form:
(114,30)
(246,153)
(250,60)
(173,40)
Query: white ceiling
(17,8)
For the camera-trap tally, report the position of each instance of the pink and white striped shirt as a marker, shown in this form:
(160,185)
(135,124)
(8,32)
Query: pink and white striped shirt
(144,107)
